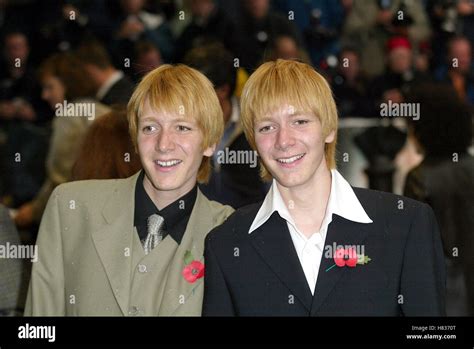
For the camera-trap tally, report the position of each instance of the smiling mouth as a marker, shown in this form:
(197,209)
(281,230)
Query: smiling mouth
(290,160)
(169,163)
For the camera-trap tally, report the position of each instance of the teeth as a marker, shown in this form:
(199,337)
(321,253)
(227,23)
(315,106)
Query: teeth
(168,163)
(290,160)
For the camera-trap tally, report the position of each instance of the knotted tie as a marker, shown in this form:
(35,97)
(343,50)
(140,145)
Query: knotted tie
(155,232)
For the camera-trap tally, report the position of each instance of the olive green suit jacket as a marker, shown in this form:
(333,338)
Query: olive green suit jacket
(91,261)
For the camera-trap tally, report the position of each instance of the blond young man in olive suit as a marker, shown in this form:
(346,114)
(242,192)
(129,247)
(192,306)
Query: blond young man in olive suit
(92,256)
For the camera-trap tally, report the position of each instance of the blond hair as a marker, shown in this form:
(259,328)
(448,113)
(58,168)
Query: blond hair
(180,90)
(289,82)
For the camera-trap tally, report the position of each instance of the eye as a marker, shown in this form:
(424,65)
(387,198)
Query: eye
(301,122)
(265,129)
(148,129)
(183,128)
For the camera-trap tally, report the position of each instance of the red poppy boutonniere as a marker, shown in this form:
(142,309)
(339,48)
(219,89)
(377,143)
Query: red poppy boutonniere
(347,257)
(193,269)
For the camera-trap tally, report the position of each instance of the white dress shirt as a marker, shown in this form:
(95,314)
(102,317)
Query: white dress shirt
(342,201)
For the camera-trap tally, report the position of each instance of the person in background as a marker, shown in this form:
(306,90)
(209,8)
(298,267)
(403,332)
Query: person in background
(286,47)
(208,23)
(371,23)
(107,150)
(320,22)
(18,15)
(232,183)
(459,68)
(63,80)
(465,9)
(400,76)
(449,19)
(112,87)
(350,85)
(147,57)
(258,28)
(131,23)
(20,93)
(444,180)
(24,122)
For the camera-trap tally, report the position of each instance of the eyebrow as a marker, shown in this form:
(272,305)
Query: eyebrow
(300,113)
(148,118)
(295,114)
(189,120)
(264,119)
(175,120)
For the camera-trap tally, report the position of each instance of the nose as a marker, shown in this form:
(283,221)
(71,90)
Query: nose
(285,139)
(164,142)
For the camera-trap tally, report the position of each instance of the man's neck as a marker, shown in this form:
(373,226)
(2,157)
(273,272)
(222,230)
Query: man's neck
(163,198)
(307,203)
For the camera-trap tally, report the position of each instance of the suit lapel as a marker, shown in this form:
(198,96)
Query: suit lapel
(200,223)
(114,242)
(340,232)
(273,242)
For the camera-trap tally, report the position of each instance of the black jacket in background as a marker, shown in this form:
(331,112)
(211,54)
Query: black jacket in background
(448,187)
(119,93)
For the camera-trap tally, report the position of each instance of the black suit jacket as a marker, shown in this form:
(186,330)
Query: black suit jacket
(119,93)
(259,274)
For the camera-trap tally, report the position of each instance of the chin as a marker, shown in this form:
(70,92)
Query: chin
(161,183)
(291,183)
(165,186)
(289,180)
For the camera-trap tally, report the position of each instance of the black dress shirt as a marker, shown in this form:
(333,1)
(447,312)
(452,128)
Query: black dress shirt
(176,215)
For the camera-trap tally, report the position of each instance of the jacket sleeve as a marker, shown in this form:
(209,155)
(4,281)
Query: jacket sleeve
(423,280)
(46,294)
(217,299)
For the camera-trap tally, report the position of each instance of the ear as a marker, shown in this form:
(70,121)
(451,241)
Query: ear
(330,137)
(209,151)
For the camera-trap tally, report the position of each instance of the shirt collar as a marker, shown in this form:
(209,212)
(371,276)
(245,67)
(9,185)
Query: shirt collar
(342,201)
(108,84)
(173,214)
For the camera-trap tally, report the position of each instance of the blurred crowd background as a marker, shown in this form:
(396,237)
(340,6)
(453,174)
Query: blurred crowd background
(371,51)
